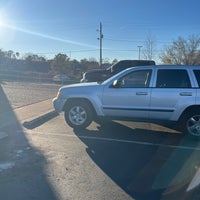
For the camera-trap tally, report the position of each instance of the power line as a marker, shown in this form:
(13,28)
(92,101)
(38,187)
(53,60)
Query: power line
(134,41)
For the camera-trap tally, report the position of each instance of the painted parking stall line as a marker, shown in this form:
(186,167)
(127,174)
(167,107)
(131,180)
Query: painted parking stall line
(140,143)
(182,147)
(3,135)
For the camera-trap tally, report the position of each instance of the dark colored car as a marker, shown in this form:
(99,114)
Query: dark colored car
(99,75)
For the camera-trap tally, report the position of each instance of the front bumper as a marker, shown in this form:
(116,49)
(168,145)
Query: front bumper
(58,104)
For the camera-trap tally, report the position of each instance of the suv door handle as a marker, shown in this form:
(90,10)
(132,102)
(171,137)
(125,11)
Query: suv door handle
(141,93)
(186,94)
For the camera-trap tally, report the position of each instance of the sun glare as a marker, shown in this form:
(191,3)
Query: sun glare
(1,21)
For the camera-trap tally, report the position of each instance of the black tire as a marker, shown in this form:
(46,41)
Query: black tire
(78,114)
(191,124)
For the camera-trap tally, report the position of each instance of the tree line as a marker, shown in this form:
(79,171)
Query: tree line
(60,64)
(184,51)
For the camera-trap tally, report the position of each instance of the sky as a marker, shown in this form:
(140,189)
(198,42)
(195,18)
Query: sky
(49,27)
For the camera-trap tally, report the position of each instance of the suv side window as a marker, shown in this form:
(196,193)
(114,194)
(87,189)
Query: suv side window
(136,79)
(197,75)
(173,78)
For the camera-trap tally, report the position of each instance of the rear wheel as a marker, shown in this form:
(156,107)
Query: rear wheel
(191,124)
(78,114)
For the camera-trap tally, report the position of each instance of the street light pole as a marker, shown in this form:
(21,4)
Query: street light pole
(139,51)
(101,37)
(100,40)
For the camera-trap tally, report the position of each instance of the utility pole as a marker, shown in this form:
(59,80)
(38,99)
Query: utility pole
(139,51)
(100,40)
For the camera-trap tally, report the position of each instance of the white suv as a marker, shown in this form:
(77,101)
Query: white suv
(144,93)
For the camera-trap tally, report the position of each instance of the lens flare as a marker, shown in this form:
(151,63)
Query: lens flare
(46,36)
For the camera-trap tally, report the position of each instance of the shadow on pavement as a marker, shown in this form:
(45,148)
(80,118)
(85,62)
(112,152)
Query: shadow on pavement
(22,166)
(167,166)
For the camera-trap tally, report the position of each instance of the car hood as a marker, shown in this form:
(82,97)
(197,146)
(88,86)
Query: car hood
(82,85)
(82,89)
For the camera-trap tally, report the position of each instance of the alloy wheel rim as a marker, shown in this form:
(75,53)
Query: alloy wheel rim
(193,125)
(77,115)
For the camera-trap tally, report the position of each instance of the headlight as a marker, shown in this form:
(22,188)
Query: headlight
(58,95)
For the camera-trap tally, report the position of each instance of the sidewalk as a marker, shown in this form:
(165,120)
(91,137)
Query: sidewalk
(26,113)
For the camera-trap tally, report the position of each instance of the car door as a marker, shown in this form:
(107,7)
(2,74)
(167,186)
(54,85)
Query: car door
(171,93)
(130,97)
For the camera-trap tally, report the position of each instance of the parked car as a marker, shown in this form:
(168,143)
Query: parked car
(61,78)
(146,93)
(99,75)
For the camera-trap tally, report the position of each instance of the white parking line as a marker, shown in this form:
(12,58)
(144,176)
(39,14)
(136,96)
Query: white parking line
(182,147)
(7,165)
(3,135)
(140,143)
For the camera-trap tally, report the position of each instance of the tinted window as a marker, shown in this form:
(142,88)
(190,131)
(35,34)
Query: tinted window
(197,74)
(121,65)
(124,64)
(136,79)
(173,78)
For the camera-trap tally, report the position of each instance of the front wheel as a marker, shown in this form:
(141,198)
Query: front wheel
(78,115)
(191,124)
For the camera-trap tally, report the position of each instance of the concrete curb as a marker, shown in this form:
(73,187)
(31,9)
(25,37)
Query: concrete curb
(40,120)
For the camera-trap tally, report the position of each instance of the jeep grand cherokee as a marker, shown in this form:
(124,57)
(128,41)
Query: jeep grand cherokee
(169,93)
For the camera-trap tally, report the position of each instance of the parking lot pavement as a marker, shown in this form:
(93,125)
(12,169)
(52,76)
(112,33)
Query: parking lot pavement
(24,101)
(22,174)
(25,114)
(124,154)
(33,111)
(20,94)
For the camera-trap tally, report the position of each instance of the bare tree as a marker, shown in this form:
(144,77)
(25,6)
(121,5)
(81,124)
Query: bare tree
(60,64)
(182,51)
(149,47)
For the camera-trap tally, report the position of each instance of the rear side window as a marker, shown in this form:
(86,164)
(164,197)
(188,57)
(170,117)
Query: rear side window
(173,78)
(197,75)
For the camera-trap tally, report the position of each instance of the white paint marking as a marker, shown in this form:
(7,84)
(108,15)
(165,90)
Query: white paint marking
(3,135)
(4,166)
(140,143)
(118,140)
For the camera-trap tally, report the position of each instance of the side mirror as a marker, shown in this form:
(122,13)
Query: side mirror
(116,84)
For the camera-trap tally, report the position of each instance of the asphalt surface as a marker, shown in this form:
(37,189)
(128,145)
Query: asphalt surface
(20,94)
(43,158)
(21,164)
